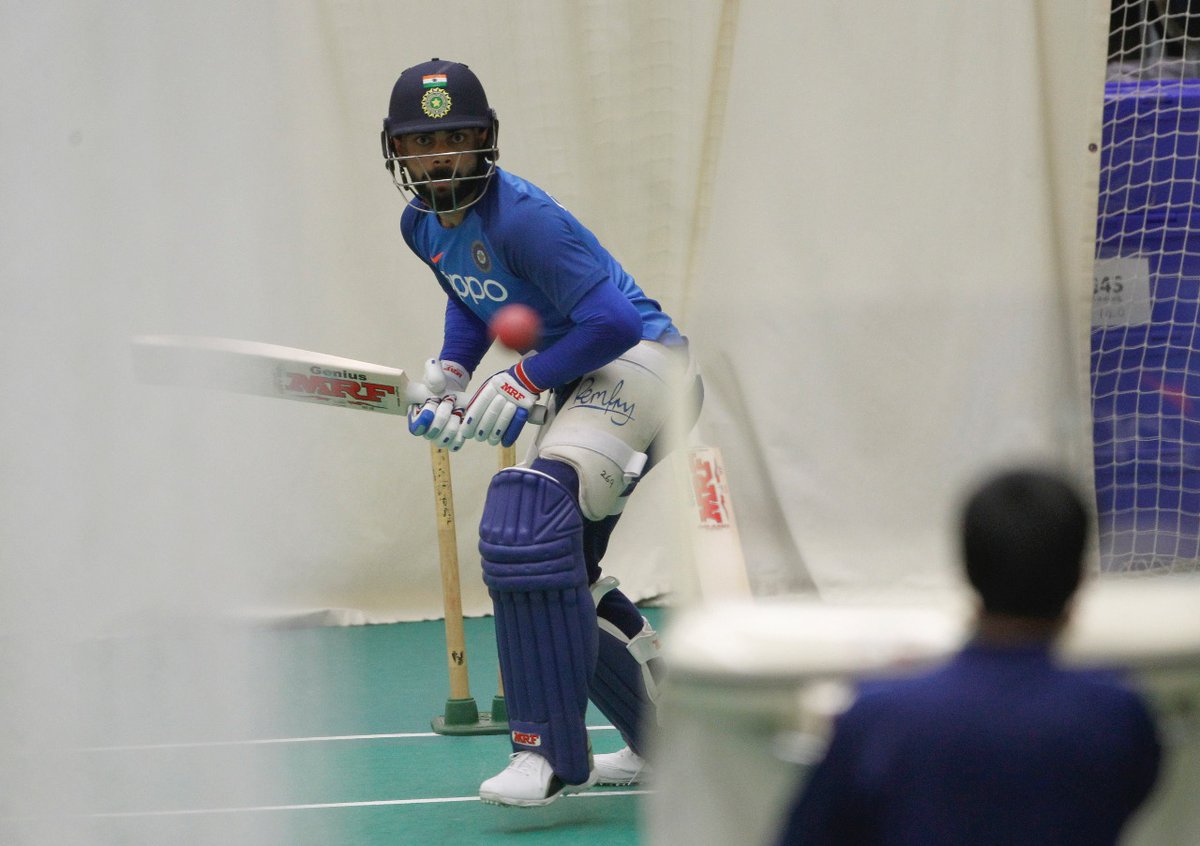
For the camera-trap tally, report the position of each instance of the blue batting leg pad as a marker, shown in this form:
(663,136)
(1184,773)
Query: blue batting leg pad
(531,542)
(625,682)
(618,609)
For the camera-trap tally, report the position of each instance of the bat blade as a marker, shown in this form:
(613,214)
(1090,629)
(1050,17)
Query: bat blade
(269,370)
(718,558)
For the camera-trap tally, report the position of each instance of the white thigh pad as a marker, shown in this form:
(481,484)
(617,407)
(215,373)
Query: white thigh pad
(606,424)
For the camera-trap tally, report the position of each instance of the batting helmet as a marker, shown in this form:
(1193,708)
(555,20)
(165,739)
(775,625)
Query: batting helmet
(440,95)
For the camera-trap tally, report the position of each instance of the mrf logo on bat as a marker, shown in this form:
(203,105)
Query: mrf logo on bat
(709,490)
(336,387)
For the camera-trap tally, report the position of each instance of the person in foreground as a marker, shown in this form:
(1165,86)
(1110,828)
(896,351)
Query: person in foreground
(1000,745)
(613,365)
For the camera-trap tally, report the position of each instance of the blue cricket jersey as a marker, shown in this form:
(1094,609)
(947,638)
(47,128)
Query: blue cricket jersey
(999,746)
(518,245)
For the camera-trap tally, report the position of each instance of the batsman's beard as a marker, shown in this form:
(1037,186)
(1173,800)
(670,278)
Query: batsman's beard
(444,190)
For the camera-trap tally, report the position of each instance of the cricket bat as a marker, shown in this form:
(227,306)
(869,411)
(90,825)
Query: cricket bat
(717,547)
(270,370)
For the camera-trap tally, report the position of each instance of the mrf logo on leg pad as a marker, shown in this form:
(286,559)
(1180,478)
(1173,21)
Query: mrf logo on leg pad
(526,738)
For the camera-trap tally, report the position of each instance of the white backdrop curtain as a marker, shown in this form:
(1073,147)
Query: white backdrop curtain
(873,219)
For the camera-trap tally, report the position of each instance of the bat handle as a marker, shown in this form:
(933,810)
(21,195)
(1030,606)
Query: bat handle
(538,415)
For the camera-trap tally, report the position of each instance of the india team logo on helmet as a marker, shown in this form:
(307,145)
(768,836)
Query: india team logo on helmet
(436,102)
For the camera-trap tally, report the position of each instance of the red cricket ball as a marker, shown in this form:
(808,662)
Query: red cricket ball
(516,326)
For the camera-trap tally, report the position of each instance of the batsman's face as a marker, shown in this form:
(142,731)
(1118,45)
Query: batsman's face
(440,158)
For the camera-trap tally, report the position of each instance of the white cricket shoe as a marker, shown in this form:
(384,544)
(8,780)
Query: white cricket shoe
(624,767)
(528,781)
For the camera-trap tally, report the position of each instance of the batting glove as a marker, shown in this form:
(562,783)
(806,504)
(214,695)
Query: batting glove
(499,409)
(435,413)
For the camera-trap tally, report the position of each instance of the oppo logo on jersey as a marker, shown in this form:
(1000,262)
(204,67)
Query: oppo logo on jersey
(475,290)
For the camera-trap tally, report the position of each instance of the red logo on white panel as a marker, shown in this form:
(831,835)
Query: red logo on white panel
(526,738)
(709,492)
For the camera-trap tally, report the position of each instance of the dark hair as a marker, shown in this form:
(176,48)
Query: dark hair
(1023,536)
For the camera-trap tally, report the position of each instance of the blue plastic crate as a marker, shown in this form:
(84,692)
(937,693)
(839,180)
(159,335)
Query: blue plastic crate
(1150,151)
(1146,376)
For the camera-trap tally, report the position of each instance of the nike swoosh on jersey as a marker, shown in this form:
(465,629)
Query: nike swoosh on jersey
(438,257)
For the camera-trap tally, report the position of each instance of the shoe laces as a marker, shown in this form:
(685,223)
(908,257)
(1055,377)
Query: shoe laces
(524,762)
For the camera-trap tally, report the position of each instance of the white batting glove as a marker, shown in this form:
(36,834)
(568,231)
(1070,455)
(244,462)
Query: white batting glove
(435,413)
(499,409)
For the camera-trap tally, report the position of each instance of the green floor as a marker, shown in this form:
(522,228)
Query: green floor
(280,751)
